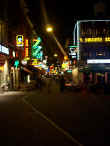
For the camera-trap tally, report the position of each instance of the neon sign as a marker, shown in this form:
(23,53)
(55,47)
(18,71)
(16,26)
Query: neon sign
(19,41)
(16,63)
(36,49)
(96,39)
(34,61)
(37,42)
(107,39)
(26,48)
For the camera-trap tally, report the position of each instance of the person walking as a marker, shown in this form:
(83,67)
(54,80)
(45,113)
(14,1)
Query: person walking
(49,84)
(62,83)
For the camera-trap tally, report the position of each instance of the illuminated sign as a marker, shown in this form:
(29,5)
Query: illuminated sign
(39,55)
(36,42)
(19,41)
(73,56)
(65,65)
(35,62)
(72,53)
(27,58)
(107,39)
(69,71)
(95,39)
(24,62)
(26,47)
(14,54)
(16,64)
(73,46)
(45,61)
(96,61)
(4,49)
(1,68)
(65,57)
(36,49)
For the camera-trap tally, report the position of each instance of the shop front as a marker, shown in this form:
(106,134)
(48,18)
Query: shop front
(4,72)
(96,73)
(4,67)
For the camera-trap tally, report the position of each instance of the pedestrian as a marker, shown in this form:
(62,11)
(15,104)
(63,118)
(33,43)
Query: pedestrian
(39,83)
(62,83)
(49,84)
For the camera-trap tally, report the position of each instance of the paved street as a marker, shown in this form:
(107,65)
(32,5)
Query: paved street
(82,114)
(21,125)
(54,118)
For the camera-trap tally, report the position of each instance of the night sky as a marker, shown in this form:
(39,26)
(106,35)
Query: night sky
(63,14)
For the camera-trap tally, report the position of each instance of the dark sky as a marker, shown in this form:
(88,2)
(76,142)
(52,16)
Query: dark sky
(63,13)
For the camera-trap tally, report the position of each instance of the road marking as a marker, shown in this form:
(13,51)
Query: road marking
(52,123)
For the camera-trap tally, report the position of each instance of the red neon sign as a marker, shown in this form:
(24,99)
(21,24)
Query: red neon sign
(26,48)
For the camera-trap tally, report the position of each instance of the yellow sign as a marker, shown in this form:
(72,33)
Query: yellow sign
(1,68)
(98,39)
(27,58)
(19,41)
(107,39)
(95,39)
(35,62)
(81,40)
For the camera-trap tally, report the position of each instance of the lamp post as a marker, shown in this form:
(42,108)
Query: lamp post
(49,29)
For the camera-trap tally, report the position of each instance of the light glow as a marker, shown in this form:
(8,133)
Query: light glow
(97,39)
(49,29)
(26,48)
(35,62)
(28,79)
(16,63)
(19,41)
(4,50)
(24,62)
(55,55)
(1,68)
(14,54)
(72,53)
(37,42)
(107,39)
(96,61)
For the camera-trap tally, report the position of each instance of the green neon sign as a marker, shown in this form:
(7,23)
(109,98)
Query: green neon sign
(38,40)
(73,46)
(36,51)
(16,64)
(69,71)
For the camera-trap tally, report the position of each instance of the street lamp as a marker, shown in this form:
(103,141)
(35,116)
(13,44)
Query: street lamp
(49,28)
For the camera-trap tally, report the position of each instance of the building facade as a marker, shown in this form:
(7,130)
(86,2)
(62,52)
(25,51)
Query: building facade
(92,38)
(4,56)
